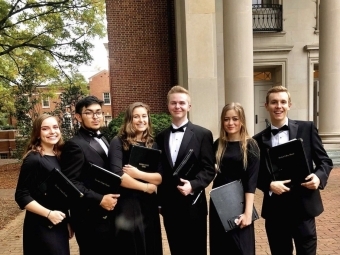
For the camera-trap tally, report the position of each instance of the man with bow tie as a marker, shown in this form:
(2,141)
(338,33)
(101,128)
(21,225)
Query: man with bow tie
(290,211)
(92,216)
(184,206)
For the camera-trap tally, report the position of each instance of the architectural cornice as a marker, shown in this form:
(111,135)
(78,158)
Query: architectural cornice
(279,48)
(311,47)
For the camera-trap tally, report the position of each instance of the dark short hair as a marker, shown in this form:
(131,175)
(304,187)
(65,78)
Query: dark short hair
(86,102)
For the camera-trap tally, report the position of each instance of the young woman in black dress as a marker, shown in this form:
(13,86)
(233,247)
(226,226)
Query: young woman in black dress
(137,218)
(45,229)
(237,158)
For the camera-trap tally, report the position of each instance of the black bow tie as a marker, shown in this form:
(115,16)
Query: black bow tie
(277,130)
(95,134)
(180,129)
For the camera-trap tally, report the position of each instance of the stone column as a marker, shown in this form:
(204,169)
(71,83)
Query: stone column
(196,49)
(329,61)
(238,56)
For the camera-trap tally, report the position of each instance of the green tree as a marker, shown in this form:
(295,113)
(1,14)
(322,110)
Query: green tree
(59,32)
(73,90)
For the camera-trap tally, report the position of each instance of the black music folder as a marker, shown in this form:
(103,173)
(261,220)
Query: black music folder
(144,158)
(103,181)
(288,162)
(58,183)
(185,169)
(229,201)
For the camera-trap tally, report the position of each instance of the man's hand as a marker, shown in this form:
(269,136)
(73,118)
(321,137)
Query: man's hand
(312,183)
(279,187)
(109,201)
(186,188)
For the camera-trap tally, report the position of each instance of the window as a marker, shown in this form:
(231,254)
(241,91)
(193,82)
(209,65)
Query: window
(3,156)
(106,98)
(46,102)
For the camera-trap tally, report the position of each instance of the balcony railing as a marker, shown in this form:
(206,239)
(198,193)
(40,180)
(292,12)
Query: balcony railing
(267,17)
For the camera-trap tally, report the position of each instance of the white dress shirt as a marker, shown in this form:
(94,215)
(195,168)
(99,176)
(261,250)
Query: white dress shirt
(175,141)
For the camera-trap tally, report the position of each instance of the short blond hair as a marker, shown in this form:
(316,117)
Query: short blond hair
(178,89)
(277,89)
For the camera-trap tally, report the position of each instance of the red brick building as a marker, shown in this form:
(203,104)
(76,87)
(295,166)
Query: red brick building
(99,85)
(142,52)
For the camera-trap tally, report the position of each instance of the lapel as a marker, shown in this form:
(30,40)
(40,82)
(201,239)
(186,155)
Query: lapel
(167,147)
(183,149)
(266,137)
(105,141)
(93,143)
(293,128)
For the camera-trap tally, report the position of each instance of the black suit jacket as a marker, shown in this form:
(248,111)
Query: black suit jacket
(300,201)
(75,158)
(201,141)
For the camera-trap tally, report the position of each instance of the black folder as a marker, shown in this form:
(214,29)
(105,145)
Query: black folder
(185,169)
(144,158)
(103,181)
(58,183)
(229,201)
(288,162)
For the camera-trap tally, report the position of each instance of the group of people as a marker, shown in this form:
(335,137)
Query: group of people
(129,222)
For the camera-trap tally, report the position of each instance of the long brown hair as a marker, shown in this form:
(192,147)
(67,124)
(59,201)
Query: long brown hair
(127,132)
(34,143)
(245,138)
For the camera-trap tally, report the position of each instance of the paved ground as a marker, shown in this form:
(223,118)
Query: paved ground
(328,225)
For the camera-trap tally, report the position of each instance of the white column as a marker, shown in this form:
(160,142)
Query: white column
(238,56)
(329,67)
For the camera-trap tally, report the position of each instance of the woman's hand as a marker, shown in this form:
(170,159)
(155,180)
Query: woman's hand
(132,171)
(244,220)
(56,217)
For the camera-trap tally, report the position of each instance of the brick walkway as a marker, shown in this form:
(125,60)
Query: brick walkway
(328,225)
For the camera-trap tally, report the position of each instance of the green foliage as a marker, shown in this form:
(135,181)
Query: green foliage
(160,121)
(54,37)
(65,108)
(114,126)
(25,107)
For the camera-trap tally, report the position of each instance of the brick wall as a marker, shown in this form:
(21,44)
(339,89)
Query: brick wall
(7,142)
(142,54)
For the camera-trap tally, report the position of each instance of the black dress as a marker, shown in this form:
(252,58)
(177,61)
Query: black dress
(138,230)
(40,236)
(237,241)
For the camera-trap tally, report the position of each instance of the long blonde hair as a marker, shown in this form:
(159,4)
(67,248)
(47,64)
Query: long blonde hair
(245,139)
(127,132)
(34,143)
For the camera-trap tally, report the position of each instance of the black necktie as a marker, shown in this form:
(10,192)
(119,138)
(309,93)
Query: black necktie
(180,129)
(276,131)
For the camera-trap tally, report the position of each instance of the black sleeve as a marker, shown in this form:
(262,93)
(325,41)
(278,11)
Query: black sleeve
(116,156)
(252,170)
(27,181)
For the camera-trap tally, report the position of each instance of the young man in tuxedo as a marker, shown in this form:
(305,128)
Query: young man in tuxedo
(92,215)
(184,206)
(290,210)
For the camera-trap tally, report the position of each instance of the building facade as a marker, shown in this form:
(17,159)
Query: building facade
(228,51)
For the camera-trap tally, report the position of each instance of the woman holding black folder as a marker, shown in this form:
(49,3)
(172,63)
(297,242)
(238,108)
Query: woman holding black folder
(45,229)
(137,218)
(237,158)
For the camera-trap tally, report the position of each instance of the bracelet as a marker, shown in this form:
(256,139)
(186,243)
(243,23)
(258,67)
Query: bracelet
(48,214)
(146,189)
